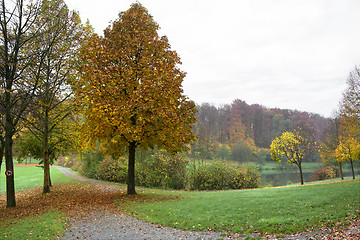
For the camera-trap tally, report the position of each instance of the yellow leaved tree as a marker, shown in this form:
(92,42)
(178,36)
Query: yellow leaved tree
(348,150)
(131,89)
(293,146)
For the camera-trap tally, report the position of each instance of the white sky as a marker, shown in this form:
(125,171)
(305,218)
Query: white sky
(294,54)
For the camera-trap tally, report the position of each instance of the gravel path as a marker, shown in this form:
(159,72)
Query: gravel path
(111,225)
(117,225)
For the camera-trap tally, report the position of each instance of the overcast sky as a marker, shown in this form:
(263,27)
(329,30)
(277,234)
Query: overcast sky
(294,54)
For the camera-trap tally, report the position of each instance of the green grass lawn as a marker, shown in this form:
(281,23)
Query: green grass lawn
(275,210)
(31,177)
(47,226)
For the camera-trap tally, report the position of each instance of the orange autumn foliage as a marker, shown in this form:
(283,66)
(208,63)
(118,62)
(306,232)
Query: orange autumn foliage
(131,88)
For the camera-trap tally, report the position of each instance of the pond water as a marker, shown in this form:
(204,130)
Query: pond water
(286,177)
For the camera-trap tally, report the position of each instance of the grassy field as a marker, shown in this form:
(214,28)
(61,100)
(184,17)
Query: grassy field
(275,210)
(27,177)
(47,226)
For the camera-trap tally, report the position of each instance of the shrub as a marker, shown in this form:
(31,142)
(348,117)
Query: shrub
(214,175)
(323,173)
(91,160)
(245,177)
(112,170)
(220,175)
(162,169)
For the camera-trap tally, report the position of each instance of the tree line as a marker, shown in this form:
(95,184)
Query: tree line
(249,128)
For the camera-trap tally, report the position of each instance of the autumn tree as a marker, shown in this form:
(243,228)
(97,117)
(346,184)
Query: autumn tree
(293,146)
(350,105)
(17,90)
(131,89)
(223,152)
(349,127)
(49,113)
(206,130)
(237,127)
(329,144)
(349,150)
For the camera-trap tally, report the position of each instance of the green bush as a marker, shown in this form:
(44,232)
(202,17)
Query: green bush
(220,175)
(112,170)
(323,173)
(244,178)
(162,169)
(91,159)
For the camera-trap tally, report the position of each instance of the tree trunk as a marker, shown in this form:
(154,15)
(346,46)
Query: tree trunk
(46,188)
(301,174)
(352,168)
(341,172)
(131,169)
(1,153)
(50,178)
(10,185)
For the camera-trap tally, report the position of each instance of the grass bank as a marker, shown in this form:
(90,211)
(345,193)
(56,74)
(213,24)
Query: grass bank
(274,210)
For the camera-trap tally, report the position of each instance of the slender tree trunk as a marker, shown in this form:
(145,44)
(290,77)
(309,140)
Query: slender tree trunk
(352,168)
(131,169)
(46,188)
(301,174)
(50,178)
(341,172)
(1,153)
(10,185)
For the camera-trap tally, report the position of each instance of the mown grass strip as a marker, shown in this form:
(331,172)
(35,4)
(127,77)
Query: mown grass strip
(274,210)
(47,226)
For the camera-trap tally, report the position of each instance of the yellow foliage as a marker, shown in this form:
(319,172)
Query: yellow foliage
(348,149)
(290,144)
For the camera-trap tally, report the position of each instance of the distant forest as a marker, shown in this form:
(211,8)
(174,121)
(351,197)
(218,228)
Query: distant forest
(243,132)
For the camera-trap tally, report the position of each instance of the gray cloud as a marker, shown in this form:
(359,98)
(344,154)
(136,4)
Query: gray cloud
(279,53)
